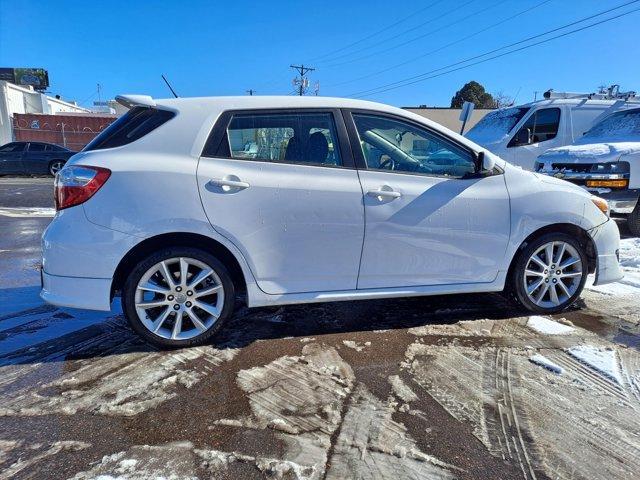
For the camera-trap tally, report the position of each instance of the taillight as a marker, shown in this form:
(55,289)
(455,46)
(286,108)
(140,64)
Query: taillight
(75,184)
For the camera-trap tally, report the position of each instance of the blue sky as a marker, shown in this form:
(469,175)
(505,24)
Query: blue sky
(225,48)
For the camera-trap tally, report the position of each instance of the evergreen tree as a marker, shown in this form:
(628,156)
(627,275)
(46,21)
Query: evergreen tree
(475,93)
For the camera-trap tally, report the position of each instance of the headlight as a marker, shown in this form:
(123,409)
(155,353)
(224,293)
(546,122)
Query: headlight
(601,203)
(610,167)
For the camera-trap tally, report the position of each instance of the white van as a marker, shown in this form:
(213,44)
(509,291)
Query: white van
(520,134)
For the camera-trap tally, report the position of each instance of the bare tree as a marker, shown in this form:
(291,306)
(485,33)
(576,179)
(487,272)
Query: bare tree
(502,100)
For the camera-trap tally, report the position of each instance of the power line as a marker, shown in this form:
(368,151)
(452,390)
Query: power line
(382,30)
(522,12)
(426,76)
(400,34)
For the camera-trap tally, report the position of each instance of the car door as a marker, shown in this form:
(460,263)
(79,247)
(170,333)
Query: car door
(543,129)
(281,186)
(35,159)
(429,218)
(11,157)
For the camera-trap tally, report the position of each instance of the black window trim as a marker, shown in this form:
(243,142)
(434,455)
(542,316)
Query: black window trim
(359,156)
(524,120)
(214,147)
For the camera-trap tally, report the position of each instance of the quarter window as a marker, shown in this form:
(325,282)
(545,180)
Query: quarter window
(389,144)
(541,126)
(307,138)
(135,124)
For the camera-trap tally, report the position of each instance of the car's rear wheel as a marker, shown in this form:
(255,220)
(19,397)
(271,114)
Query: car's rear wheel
(550,273)
(55,167)
(178,297)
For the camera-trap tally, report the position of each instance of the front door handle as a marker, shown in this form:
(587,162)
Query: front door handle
(228,183)
(384,193)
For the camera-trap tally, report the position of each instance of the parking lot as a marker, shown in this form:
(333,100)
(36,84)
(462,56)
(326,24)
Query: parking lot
(437,387)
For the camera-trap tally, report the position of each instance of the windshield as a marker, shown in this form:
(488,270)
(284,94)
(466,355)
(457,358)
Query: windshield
(496,125)
(625,124)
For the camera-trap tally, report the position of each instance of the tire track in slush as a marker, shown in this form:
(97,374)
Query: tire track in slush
(589,375)
(509,433)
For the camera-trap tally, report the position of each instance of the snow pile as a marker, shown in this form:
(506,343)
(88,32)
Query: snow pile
(601,359)
(608,149)
(547,326)
(546,363)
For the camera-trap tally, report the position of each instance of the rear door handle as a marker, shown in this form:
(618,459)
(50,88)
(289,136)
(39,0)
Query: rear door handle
(381,194)
(229,183)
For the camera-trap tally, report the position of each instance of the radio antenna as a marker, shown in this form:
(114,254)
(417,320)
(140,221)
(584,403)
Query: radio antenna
(169,85)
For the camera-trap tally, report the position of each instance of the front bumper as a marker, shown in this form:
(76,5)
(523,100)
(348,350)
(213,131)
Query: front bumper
(606,238)
(620,201)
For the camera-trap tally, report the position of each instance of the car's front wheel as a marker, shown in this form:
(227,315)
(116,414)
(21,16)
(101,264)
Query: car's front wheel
(178,297)
(549,273)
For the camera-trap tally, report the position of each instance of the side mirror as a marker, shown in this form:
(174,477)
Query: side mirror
(486,162)
(523,137)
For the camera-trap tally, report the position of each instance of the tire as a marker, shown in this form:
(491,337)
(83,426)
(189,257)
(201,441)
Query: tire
(633,221)
(527,273)
(143,288)
(55,166)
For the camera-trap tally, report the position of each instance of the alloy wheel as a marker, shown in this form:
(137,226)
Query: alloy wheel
(55,167)
(179,298)
(553,274)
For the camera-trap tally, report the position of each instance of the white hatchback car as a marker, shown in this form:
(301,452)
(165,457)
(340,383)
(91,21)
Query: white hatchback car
(182,203)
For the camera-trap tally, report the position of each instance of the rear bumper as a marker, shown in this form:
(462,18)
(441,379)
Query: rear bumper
(606,238)
(79,259)
(74,292)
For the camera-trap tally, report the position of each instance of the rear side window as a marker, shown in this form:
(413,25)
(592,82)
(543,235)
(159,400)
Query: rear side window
(37,147)
(302,138)
(135,124)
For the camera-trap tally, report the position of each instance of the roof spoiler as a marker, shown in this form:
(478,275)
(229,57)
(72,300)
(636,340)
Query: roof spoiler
(131,101)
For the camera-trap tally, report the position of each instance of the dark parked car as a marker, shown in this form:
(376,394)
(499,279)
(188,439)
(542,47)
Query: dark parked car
(32,158)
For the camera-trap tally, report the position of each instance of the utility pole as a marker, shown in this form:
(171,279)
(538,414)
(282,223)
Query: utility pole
(301,82)
(251,91)
(99,97)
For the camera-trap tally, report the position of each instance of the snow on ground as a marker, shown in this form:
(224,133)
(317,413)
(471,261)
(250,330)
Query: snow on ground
(27,212)
(546,363)
(547,326)
(602,359)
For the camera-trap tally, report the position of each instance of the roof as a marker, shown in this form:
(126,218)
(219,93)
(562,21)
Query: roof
(253,101)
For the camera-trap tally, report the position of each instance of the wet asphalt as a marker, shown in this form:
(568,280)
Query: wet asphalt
(69,405)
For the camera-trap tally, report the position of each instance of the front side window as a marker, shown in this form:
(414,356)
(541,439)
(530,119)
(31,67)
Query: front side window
(307,138)
(136,123)
(13,147)
(541,126)
(389,144)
